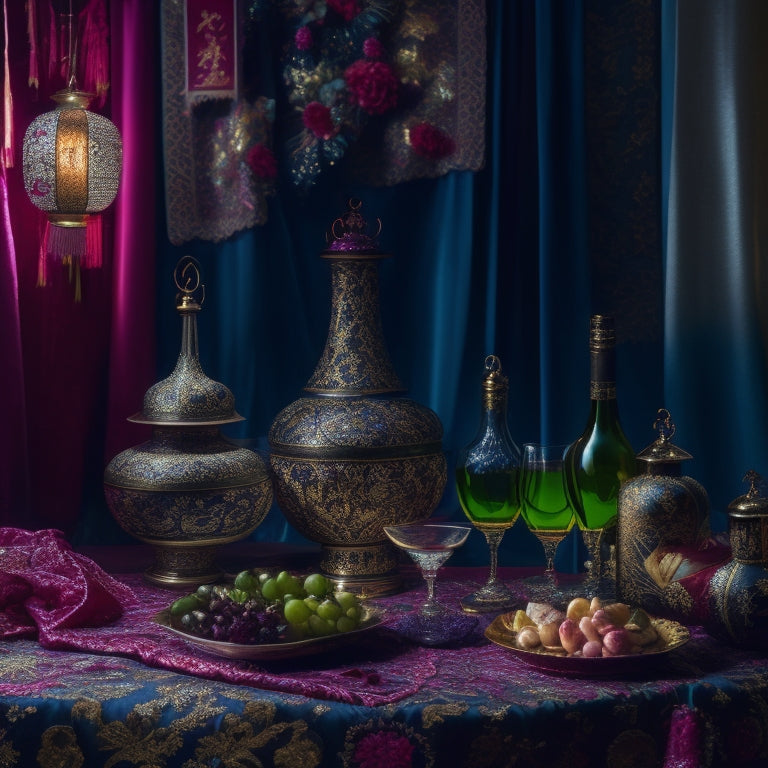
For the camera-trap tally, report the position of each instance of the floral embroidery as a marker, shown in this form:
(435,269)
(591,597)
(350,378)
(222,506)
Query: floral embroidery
(430,142)
(336,78)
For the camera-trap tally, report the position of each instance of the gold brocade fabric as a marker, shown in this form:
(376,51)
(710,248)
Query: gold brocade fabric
(210,191)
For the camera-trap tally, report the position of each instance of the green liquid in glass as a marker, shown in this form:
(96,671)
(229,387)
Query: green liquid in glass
(489,499)
(544,504)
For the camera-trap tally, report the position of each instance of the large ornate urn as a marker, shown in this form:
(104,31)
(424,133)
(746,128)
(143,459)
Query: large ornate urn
(353,454)
(188,490)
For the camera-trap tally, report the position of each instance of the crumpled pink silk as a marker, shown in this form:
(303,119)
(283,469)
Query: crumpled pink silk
(45,586)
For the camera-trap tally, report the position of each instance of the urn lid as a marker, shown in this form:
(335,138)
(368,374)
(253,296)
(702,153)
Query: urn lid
(349,233)
(188,397)
(752,503)
(661,456)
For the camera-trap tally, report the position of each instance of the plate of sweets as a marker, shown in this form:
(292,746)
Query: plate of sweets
(263,616)
(588,639)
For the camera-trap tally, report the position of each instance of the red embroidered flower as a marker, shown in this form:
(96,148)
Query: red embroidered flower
(303,38)
(347,9)
(317,119)
(373,48)
(430,142)
(262,162)
(372,86)
(384,749)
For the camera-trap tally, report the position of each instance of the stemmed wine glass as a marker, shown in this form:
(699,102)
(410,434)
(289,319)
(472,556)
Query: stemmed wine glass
(545,506)
(430,545)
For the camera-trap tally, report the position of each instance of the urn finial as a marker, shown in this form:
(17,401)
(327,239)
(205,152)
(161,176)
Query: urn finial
(350,231)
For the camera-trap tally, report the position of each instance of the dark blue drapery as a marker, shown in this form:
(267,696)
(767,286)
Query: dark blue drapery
(563,221)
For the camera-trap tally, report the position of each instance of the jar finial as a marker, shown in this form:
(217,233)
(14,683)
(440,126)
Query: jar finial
(661,456)
(754,479)
(187,277)
(664,426)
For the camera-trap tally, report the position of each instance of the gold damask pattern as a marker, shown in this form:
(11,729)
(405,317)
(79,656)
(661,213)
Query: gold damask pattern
(355,359)
(346,503)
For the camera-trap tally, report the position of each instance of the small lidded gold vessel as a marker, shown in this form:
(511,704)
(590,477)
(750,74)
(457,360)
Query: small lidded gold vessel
(188,490)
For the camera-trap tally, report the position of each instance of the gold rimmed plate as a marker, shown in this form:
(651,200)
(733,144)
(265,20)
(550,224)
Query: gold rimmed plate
(672,635)
(289,649)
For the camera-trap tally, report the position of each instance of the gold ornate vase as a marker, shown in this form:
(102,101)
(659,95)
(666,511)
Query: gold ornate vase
(354,454)
(188,490)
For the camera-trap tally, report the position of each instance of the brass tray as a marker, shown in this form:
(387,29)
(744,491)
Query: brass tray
(671,636)
(372,618)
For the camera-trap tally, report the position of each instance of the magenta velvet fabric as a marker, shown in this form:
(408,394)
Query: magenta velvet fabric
(45,586)
(59,356)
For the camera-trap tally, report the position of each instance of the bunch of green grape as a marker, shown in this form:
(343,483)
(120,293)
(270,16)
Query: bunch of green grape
(268,608)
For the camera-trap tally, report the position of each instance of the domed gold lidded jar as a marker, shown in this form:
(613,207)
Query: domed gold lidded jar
(353,454)
(188,490)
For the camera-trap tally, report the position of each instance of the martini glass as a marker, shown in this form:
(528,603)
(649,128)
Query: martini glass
(429,546)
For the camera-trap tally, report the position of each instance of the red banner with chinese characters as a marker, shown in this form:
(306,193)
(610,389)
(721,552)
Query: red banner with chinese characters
(211,49)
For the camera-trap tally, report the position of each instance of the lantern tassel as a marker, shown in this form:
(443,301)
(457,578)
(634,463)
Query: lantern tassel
(66,241)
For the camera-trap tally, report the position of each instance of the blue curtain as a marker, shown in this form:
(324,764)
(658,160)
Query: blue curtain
(510,260)
(715,273)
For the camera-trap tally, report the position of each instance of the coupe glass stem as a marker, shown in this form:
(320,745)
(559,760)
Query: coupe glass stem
(430,605)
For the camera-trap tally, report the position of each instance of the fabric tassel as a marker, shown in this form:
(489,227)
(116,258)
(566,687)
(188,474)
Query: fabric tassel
(92,258)
(34,49)
(95,49)
(684,741)
(6,156)
(53,43)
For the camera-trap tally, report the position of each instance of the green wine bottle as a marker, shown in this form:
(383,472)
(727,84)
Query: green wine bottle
(599,461)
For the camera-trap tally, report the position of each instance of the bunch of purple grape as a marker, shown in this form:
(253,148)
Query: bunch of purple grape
(227,620)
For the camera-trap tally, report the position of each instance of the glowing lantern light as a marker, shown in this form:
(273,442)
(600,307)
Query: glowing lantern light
(72,161)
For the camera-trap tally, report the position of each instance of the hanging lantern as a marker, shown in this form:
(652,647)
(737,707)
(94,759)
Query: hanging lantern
(72,160)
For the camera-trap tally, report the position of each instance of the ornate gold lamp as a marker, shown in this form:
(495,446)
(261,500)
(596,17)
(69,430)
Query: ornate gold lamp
(72,162)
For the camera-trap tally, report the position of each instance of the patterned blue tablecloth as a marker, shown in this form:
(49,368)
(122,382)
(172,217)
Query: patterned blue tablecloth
(384,702)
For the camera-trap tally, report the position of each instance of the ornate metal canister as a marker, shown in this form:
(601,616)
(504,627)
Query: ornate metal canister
(738,591)
(354,454)
(188,490)
(663,529)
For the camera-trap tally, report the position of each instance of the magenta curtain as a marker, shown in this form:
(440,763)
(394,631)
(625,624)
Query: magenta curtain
(60,357)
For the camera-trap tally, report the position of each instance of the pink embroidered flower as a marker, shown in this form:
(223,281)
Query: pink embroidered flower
(347,9)
(372,85)
(384,749)
(373,48)
(430,142)
(262,162)
(303,38)
(317,119)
